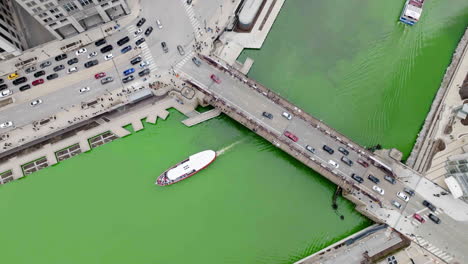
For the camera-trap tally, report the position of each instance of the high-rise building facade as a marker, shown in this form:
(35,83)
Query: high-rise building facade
(66,18)
(11,42)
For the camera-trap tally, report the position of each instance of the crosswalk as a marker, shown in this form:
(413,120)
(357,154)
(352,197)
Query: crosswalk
(193,20)
(147,56)
(181,63)
(434,250)
(422,213)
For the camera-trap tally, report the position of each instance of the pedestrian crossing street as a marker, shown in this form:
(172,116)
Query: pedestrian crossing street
(434,250)
(181,63)
(193,20)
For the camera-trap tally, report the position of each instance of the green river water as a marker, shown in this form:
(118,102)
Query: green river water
(348,62)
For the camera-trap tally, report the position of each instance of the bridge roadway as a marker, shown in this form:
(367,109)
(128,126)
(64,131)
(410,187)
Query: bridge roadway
(245,100)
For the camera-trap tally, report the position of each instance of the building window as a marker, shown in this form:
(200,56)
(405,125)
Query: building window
(85,2)
(70,6)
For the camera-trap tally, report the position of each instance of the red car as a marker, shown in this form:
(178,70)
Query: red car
(99,75)
(291,136)
(215,78)
(363,163)
(419,218)
(38,81)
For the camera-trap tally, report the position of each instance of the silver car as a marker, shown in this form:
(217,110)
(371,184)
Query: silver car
(180,50)
(106,80)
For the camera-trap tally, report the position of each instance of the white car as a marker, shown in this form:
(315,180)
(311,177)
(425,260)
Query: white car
(403,196)
(85,89)
(81,51)
(92,54)
(158,23)
(73,69)
(334,163)
(6,124)
(144,64)
(138,32)
(287,115)
(108,56)
(36,102)
(378,190)
(5,93)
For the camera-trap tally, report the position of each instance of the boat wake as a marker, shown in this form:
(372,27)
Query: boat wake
(223,150)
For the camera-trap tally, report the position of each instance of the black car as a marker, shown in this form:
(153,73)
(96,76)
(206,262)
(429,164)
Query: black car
(60,57)
(357,178)
(106,49)
(46,64)
(72,61)
(59,68)
(30,69)
(3,87)
(409,191)
(343,150)
(39,73)
(390,179)
(52,76)
(90,64)
(267,115)
(373,179)
(128,79)
(141,22)
(20,80)
(144,72)
(25,87)
(148,31)
(429,205)
(434,218)
(328,149)
(1,81)
(347,161)
(138,42)
(100,42)
(136,60)
(123,41)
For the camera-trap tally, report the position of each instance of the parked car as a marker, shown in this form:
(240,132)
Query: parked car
(108,56)
(346,161)
(434,218)
(73,69)
(13,76)
(123,41)
(148,31)
(419,218)
(1,81)
(429,205)
(287,115)
(25,87)
(3,86)
(92,54)
(164,47)
(6,124)
(140,41)
(403,196)
(91,63)
(136,60)
(141,22)
(373,179)
(106,80)
(390,179)
(159,24)
(215,79)
(180,50)
(72,61)
(144,72)
(36,102)
(99,75)
(52,76)
(126,49)
(60,57)
(137,32)
(334,163)
(363,163)
(357,178)
(408,191)
(30,69)
(100,42)
(81,51)
(20,80)
(267,115)
(310,149)
(45,64)
(107,49)
(343,150)
(196,61)
(39,74)
(144,64)
(85,89)
(5,93)
(396,204)
(38,82)
(291,136)
(128,71)
(328,149)
(128,79)
(378,190)
(59,68)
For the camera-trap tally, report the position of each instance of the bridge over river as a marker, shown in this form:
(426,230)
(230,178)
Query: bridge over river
(244,100)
